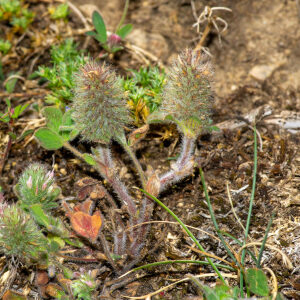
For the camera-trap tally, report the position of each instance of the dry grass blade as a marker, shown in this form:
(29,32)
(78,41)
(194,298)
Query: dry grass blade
(275,283)
(148,296)
(236,216)
(232,208)
(210,255)
(172,223)
(285,259)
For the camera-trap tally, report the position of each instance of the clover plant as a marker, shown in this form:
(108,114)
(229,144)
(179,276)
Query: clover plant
(101,115)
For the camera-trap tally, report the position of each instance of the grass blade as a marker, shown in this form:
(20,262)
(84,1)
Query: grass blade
(214,219)
(264,241)
(187,231)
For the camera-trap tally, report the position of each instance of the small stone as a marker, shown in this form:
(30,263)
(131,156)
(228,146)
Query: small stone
(63,171)
(180,204)
(123,172)
(149,41)
(234,87)
(262,72)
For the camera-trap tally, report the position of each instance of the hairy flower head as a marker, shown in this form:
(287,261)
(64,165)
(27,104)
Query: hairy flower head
(37,186)
(187,95)
(99,104)
(20,237)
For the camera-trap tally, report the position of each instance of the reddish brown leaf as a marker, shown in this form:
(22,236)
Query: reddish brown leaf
(84,192)
(98,192)
(88,187)
(86,207)
(85,182)
(41,278)
(86,225)
(138,134)
(54,290)
(64,282)
(12,295)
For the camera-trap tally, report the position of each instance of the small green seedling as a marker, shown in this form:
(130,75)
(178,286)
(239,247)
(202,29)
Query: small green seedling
(16,14)
(144,92)
(5,46)
(60,12)
(65,59)
(109,42)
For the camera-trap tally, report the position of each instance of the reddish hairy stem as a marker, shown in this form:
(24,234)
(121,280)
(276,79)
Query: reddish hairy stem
(181,166)
(106,168)
(181,169)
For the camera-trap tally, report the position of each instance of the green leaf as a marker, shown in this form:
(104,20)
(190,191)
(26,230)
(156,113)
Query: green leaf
(8,103)
(40,217)
(257,282)
(100,27)
(209,293)
(73,134)
(12,135)
(124,31)
(91,33)
(67,118)
(18,110)
(75,243)
(214,128)
(116,49)
(5,118)
(49,139)
(223,291)
(27,132)
(54,117)
(10,84)
(89,159)
(56,240)
(61,12)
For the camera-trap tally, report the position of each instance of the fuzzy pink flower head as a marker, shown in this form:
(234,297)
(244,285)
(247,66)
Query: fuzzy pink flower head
(114,40)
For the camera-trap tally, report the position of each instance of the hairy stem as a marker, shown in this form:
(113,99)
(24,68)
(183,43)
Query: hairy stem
(136,164)
(183,165)
(182,168)
(74,150)
(105,167)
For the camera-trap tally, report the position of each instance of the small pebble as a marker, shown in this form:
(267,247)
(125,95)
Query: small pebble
(63,171)
(262,72)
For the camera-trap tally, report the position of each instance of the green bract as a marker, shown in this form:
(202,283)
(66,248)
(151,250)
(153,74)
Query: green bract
(99,105)
(36,186)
